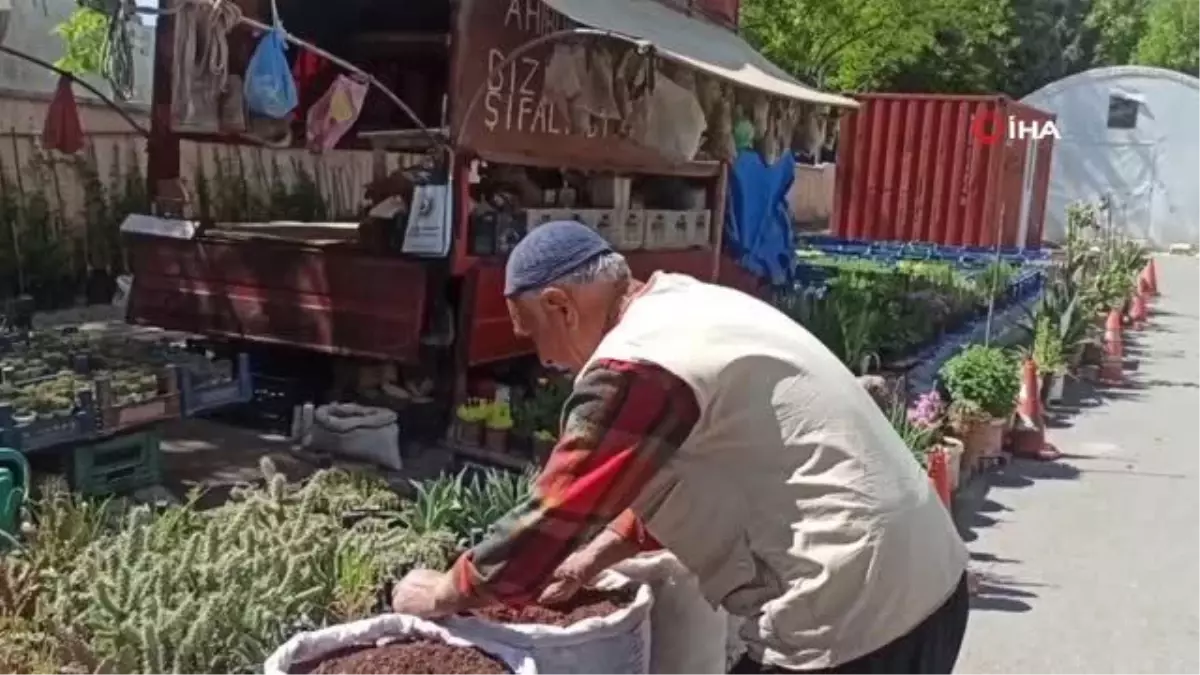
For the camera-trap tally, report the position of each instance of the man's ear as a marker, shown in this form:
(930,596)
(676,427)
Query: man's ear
(558,302)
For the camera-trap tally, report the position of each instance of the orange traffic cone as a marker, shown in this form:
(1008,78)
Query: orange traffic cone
(1029,434)
(1112,367)
(1137,314)
(1152,276)
(939,475)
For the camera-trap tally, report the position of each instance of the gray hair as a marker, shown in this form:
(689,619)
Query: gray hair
(610,267)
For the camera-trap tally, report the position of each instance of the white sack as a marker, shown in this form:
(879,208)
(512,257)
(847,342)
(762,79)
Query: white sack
(381,630)
(359,432)
(618,643)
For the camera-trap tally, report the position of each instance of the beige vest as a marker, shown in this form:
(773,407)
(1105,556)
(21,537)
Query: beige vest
(794,501)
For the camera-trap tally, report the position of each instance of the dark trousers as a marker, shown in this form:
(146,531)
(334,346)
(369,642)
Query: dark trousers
(932,647)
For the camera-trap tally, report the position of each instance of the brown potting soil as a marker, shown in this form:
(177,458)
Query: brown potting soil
(585,604)
(416,657)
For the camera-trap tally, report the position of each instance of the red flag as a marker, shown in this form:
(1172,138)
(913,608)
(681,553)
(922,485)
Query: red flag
(63,132)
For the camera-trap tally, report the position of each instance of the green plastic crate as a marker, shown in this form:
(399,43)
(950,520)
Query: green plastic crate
(120,464)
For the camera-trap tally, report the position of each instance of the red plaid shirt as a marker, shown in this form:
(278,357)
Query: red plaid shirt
(623,422)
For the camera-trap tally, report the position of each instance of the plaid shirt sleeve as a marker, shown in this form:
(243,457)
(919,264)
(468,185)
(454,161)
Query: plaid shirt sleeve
(622,423)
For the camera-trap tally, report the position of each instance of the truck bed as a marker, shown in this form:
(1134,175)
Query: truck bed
(319,294)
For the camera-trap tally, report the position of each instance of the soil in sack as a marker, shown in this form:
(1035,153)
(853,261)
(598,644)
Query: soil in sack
(586,604)
(420,656)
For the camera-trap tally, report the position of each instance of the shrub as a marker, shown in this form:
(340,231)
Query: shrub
(985,377)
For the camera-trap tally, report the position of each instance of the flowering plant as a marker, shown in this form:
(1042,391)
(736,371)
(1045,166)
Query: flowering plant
(929,411)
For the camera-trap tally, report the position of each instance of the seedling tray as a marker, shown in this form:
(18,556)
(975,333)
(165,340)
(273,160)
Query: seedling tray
(197,398)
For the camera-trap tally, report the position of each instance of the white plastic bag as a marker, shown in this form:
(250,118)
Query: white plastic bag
(381,630)
(369,434)
(618,643)
(687,635)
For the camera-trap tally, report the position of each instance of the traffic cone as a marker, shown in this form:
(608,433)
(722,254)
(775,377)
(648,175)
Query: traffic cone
(939,475)
(1137,314)
(1152,275)
(1112,366)
(1029,434)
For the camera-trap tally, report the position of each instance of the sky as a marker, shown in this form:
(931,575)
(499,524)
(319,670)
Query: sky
(148,19)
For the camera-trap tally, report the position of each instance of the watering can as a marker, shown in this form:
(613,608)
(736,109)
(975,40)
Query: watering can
(14,485)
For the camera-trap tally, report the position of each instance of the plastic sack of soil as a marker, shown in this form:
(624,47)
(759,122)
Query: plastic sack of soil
(614,642)
(332,647)
(356,431)
(687,635)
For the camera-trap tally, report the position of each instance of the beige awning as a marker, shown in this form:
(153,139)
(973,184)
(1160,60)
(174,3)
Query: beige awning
(694,43)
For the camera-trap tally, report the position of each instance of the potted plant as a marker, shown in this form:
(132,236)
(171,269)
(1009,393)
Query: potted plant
(919,437)
(496,427)
(23,411)
(1047,353)
(467,428)
(543,444)
(983,383)
(930,413)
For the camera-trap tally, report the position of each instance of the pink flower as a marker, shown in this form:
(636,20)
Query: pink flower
(928,411)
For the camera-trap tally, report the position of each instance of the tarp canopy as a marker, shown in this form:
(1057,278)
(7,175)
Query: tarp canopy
(695,43)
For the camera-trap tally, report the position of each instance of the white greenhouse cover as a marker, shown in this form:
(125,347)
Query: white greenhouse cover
(1150,171)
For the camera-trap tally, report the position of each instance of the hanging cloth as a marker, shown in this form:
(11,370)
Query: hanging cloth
(333,115)
(308,67)
(758,226)
(270,87)
(63,131)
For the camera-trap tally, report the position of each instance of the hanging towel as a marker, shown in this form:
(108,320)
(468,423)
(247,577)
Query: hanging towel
(333,115)
(758,225)
(62,131)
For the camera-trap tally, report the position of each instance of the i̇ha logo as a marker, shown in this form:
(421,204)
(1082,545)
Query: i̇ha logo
(991,127)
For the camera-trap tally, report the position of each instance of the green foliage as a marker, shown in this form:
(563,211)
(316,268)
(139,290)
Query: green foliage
(848,44)
(984,376)
(1170,39)
(101,587)
(1117,26)
(1048,352)
(466,504)
(919,438)
(872,312)
(85,42)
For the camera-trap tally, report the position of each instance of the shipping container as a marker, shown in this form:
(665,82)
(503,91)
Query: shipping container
(947,169)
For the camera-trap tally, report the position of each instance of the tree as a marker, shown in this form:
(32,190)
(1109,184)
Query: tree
(848,44)
(1049,40)
(85,37)
(1117,27)
(1170,40)
(970,57)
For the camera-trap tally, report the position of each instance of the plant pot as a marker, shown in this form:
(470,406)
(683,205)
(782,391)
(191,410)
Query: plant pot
(954,456)
(496,440)
(982,440)
(467,433)
(63,413)
(24,420)
(1052,387)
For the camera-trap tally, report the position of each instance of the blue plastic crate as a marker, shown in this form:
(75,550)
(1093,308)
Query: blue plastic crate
(197,398)
(44,433)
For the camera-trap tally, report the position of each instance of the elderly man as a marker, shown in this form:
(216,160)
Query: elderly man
(706,422)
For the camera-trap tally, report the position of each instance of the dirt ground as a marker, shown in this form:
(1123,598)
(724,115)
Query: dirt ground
(217,457)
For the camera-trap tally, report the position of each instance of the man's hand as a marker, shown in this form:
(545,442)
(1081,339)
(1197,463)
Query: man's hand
(426,594)
(606,550)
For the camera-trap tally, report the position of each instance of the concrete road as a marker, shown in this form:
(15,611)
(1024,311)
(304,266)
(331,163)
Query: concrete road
(1090,564)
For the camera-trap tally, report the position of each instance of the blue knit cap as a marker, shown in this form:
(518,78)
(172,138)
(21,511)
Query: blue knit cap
(550,252)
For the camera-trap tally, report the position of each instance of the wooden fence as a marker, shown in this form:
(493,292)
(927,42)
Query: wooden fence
(60,215)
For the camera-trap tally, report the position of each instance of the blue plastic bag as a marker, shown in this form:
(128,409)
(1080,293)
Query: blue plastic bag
(270,89)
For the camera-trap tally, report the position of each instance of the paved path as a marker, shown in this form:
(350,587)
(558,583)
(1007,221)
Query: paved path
(1090,565)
